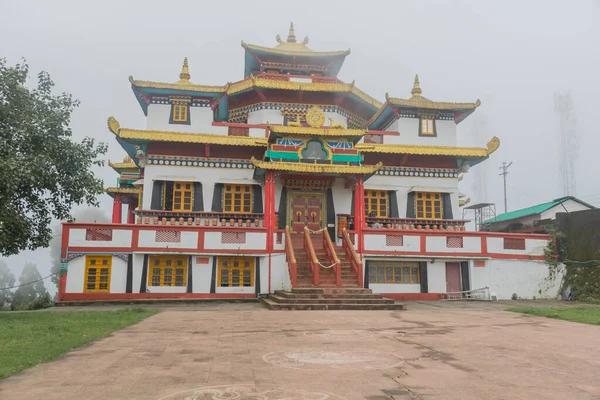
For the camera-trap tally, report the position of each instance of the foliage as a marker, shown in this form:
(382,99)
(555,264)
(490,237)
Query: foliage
(7,279)
(26,294)
(586,315)
(29,338)
(43,301)
(84,215)
(44,172)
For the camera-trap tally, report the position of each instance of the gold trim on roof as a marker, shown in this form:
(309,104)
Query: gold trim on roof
(493,145)
(123,165)
(302,86)
(292,130)
(294,49)
(317,168)
(422,150)
(180,85)
(422,102)
(122,190)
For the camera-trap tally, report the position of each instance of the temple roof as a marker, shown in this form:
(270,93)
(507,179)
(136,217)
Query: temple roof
(419,102)
(126,164)
(316,168)
(292,48)
(477,152)
(324,131)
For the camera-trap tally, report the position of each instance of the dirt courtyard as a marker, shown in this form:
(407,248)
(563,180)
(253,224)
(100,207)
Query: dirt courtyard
(242,351)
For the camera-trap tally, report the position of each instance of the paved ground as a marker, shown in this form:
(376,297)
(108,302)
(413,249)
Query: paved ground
(241,351)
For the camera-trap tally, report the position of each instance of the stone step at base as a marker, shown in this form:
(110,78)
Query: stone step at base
(330,300)
(283,293)
(273,305)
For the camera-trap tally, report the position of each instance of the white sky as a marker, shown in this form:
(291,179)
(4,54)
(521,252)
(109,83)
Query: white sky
(513,55)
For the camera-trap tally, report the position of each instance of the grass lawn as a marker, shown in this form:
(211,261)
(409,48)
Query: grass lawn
(586,315)
(31,337)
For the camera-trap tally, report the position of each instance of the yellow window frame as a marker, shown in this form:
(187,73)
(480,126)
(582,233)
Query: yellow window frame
(183,196)
(98,270)
(236,272)
(428,205)
(167,270)
(180,112)
(237,198)
(394,272)
(427,126)
(377,201)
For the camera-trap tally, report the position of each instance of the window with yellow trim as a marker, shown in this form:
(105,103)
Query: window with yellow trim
(182,196)
(97,273)
(180,113)
(394,272)
(237,198)
(167,270)
(376,203)
(236,271)
(428,205)
(427,127)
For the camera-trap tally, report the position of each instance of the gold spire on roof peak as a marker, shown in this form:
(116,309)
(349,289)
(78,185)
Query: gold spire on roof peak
(291,43)
(291,35)
(416,90)
(185,72)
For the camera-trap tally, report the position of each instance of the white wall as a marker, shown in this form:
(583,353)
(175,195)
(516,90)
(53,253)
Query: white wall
(471,244)
(409,133)
(436,276)
(264,274)
(202,275)
(274,117)
(526,278)
(375,242)
(280,275)
(189,240)
(394,288)
(201,120)
(254,241)
(569,205)
(76,275)
(138,267)
(120,238)
(533,247)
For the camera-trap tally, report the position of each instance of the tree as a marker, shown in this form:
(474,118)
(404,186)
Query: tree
(29,291)
(85,215)
(7,279)
(44,172)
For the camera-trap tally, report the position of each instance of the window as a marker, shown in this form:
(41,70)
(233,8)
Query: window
(237,199)
(97,273)
(182,196)
(427,127)
(180,113)
(167,271)
(236,271)
(394,272)
(428,205)
(376,203)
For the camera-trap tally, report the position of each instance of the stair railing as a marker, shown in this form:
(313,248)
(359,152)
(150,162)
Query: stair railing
(332,257)
(355,262)
(290,257)
(313,262)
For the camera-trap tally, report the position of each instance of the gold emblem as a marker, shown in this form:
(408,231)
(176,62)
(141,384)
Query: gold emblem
(315,117)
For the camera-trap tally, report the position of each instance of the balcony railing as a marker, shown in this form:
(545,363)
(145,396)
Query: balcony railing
(347,221)
(191,218)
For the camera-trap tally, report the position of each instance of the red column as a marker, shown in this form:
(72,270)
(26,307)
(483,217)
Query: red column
(62,280)
(359,210)
(270,207)
(130,214)
(117,209)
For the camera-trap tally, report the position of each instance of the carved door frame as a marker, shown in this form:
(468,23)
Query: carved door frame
(295,194)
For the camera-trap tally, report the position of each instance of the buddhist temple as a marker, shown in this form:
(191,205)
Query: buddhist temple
(290,179)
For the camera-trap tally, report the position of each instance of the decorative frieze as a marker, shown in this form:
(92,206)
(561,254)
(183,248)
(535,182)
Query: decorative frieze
(205,162)
(419,172)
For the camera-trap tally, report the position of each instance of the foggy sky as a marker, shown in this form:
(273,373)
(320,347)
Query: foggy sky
(513,55)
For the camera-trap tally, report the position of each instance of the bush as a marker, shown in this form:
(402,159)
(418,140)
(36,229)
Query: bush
(43,301)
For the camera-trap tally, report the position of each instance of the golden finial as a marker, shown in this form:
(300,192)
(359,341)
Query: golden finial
(416,90)
(185,73)
(127,159)
(291,36)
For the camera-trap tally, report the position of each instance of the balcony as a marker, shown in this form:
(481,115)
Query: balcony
(405,224)
(191,218)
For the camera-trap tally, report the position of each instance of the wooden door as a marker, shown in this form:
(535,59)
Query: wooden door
(306,209)
(298,213)
(313,212)
(453,277)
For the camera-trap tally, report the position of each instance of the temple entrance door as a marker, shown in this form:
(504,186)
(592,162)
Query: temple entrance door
(307,209)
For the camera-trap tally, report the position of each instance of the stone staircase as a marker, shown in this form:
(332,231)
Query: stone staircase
(326,296)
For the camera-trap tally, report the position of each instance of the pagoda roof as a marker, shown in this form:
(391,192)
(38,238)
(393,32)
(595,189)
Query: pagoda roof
(317,168)
(126,164)
(418,102)
(293,50)
(133,192)
(475,152)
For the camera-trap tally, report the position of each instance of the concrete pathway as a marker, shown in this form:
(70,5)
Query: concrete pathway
(246,352)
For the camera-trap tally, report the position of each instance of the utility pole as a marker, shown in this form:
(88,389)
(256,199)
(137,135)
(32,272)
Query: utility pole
(504,172)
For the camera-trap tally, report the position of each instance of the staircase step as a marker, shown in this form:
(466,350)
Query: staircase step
(284,293)
(273,305)
(330,300)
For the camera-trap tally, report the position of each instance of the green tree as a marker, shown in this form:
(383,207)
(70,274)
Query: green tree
(32,287)
(7,279)
(85,215)
(44,172)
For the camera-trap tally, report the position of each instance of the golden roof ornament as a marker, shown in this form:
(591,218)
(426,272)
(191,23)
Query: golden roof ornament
(416,90)
(291,35)
(185,72)
(292,39)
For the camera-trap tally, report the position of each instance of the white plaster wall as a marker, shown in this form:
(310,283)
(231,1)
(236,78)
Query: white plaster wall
(263,116)
(409,133)
(526,278)
(76,275)
(394,288)
(280,275)
(202,275)
(342,197)
(377,242)
(569,205)
(138,267)
(189,240)
(254,241)
(436,277)
(207,176)
(471,244)
(257,132)
(201,120)
(164,289)
(120,238)
(280,246)
(533,247)
(278,189)
(264,274)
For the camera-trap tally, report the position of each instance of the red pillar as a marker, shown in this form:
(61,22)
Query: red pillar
(270,216)
(359,210)
(130,214)
(117,209)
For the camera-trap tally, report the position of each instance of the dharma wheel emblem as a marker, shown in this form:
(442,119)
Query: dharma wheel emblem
(315,117)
